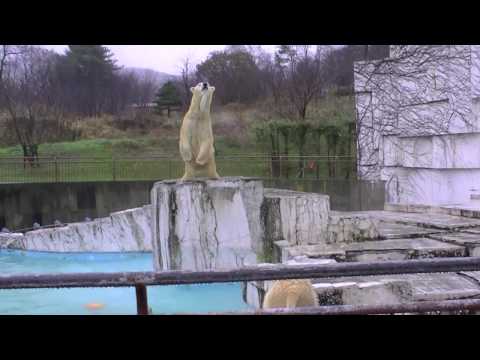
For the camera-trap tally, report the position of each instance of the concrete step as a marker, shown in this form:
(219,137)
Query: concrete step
(471,241)
(469,210)
(472,231)
(472,275)
(389,230)
(426,220)
(11,240)
(362,291)
(397,288)
(381,250)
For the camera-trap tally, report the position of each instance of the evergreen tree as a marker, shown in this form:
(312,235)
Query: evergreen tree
(167,97)
(92,69)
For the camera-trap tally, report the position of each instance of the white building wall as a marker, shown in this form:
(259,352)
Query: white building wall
(418,120)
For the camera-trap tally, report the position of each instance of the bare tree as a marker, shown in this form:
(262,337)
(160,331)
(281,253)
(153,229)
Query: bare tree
(305,78)
(28,91)
(147,86)
(300,74)
(296,77)
(273,79)
(7,52)
(188,79)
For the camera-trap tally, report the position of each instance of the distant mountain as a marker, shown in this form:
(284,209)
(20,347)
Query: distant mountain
(159,77)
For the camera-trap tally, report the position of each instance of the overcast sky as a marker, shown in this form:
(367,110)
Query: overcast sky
(164,58)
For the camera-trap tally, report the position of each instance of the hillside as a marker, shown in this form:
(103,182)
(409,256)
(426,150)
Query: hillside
(160,78)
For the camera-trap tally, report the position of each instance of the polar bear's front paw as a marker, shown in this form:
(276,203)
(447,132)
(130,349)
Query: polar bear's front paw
(201,162)
(186,156)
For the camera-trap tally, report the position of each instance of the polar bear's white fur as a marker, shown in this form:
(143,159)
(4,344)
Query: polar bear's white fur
(196,135)
(290,294)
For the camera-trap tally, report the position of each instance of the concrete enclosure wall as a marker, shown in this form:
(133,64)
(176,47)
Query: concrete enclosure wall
(23,204)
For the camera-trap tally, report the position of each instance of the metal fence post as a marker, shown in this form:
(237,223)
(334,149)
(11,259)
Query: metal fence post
(267,165)
(280,166)
(142,300)
(114,175)
(56,169)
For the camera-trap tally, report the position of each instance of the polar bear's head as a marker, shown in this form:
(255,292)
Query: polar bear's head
(202,96)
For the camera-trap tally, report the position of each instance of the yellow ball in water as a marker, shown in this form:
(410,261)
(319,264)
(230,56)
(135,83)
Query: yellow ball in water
(94,306)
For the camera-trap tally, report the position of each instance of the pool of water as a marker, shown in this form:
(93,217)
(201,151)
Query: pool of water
(162,299)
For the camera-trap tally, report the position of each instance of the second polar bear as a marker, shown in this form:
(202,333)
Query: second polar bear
(290,294)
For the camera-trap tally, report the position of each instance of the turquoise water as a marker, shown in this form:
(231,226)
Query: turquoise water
(162,299)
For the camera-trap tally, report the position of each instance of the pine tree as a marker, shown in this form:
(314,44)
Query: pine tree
(93,70)
(167,97)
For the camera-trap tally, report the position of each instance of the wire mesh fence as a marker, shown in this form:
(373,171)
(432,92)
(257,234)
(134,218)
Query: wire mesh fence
(72,169)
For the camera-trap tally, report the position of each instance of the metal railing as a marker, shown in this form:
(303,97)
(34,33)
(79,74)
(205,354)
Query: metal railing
(140,280)
(157,167)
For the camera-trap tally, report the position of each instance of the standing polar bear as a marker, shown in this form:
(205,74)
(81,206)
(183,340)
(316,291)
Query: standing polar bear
(196,135)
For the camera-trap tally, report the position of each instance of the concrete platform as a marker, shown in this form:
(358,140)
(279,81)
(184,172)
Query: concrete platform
(471,241)
(402,249)
(409,287)
(469,210)
(382,250)
(427,220)
(389,230)
(472,231)
(401,236)
(472,275)
(360,291)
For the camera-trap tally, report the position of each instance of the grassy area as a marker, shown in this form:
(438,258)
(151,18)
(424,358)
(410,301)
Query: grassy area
(141,146)
(96,162)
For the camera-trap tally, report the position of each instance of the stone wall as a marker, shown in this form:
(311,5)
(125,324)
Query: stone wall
(206,224)
(299,218)
(127,230)
(232,222)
